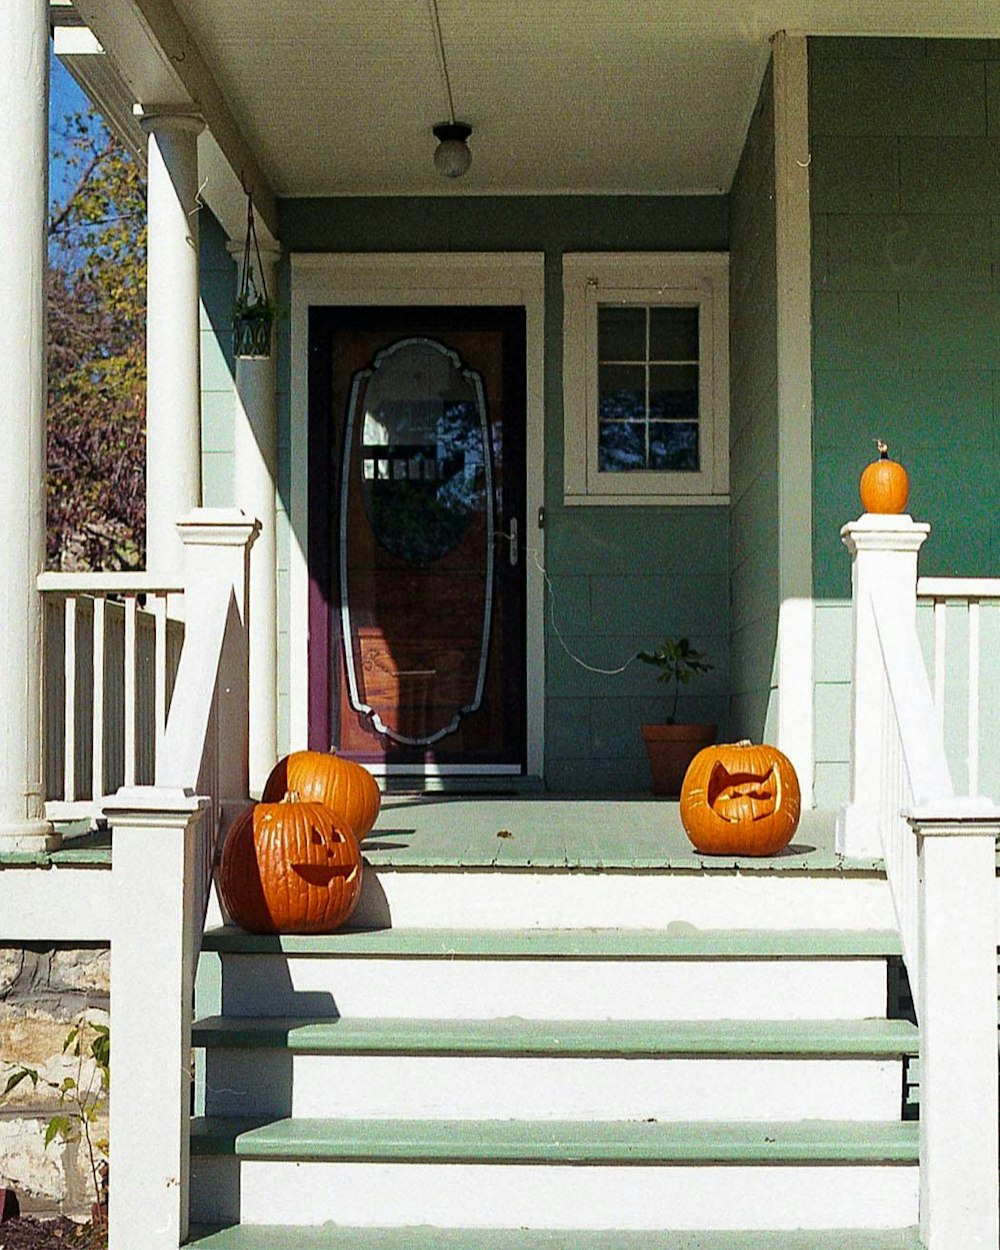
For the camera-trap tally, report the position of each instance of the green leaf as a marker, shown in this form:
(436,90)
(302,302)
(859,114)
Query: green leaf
(59,1126)
(17,1077)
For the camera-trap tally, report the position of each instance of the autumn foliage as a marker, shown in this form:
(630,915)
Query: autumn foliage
(97,355)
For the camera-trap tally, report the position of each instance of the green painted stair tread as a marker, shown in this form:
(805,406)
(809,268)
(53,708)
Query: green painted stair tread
(676,941)
(516,1036)
(605,1142)
(333,1237)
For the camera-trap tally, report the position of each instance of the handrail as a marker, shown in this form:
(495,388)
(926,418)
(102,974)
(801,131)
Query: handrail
(914,768)
(109,583)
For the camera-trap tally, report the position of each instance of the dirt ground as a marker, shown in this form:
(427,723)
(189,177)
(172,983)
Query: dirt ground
(27,1233)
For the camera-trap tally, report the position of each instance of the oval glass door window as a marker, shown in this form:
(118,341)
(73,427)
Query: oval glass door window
(423,450)
(416,619)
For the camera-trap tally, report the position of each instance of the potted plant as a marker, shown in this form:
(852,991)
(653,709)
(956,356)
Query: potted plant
(672,747)
(253,317)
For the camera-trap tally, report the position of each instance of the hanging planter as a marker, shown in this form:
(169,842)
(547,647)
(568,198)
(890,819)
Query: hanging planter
(253,311)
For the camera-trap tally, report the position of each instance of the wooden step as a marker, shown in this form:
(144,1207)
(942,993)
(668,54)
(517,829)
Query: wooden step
(271,1237)
(572,1069)
(588,1175)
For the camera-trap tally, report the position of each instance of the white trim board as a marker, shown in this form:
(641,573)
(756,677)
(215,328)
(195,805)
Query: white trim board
(429,278)
(794,288)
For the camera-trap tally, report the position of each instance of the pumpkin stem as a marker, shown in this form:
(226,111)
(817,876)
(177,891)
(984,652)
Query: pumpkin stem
(291,796)
(883,449)
(744,742)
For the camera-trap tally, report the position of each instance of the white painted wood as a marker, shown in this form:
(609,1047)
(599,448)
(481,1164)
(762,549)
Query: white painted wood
(972,742)
(255,1082)
(547,989)
(594,278)
(958,1027)
(155,848)
(570,900)
(884,555)
(130,687)
(98,685)
(793,260)
(24,74)
(58,904)
(160,672)
(69,700)
(958,587)
(533,1196)
(255,475)
(113,583)
(173,383)
(470,278)
(940,659)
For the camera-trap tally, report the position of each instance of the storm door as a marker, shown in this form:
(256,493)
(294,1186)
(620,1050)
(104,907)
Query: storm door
(416,552)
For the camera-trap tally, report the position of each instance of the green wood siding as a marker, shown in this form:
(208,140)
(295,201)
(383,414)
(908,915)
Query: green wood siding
(621,577)
(905,146)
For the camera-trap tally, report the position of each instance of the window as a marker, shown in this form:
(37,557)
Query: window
(646,378)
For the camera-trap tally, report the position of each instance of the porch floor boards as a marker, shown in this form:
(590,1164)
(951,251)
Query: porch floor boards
(616,833)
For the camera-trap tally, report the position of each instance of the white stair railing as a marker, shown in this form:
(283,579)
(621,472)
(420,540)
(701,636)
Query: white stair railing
(964,610)
(940,861)
(164,840)
(111,651)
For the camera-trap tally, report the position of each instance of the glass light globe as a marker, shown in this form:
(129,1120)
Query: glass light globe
(452,158)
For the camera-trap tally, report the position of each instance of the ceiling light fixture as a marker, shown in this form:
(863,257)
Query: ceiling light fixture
(452,156)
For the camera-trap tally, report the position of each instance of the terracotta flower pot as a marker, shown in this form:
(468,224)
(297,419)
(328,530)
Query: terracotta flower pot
(671,748)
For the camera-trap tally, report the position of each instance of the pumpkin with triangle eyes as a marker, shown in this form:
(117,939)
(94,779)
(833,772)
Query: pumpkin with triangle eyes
(740,799)
(290,867)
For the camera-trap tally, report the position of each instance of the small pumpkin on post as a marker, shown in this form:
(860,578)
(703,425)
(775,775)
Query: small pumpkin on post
(885,484)
(740,799)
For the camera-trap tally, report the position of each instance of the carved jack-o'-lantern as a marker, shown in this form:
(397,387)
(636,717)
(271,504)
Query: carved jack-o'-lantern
(346,788)
(740,799)
(290,867)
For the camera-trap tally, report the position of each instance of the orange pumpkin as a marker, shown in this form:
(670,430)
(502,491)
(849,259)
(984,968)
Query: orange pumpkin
(341,785)
(290,867)
(740,799)
(885,484)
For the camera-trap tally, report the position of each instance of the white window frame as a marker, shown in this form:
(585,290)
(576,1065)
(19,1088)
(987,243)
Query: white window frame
(644,279)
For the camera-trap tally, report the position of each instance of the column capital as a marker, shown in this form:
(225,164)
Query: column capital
(875,531)
(962,816)
(159,117)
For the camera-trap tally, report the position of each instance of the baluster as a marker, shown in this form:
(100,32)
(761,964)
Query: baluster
(160,662)
(97,769)
(131,660)
(940,642)
(69,707)
(973,696)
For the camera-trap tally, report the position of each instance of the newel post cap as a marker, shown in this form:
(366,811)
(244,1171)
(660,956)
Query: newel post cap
(877,531)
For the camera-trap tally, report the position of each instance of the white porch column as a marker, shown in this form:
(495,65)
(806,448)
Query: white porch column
(173,362)
(255,475)
(884,553)
(957,1011)
(24,82)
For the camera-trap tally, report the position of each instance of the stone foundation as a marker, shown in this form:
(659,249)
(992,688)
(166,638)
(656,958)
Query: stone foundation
(44,989)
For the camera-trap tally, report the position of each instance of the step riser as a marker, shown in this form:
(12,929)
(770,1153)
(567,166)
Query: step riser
(639,900)
(278,1084)
(557,1196)
(541,989)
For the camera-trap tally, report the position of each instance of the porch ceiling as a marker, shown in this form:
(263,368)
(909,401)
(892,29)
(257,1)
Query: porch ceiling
(563,95)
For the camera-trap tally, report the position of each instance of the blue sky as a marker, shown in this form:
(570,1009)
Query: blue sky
(65,97)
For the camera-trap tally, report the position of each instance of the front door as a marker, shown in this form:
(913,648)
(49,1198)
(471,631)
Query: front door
(416,523)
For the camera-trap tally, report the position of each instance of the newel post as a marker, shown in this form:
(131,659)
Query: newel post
(151,990)
(957,1012)
(883,551)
